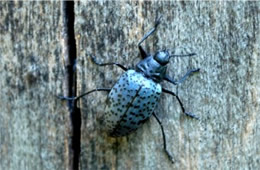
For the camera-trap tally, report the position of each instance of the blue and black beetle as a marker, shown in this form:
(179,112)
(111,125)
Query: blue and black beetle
(132,100)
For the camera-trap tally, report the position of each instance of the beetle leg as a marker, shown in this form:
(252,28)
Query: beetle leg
(189,72)
(164,139)
(183,55)
(105,64)
(182,107)
(169,79)
(84,94)
(142,51)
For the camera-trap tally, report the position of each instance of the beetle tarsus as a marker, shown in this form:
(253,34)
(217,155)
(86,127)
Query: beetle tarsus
(170,157)
(66,98)
(157,21)
(191,115)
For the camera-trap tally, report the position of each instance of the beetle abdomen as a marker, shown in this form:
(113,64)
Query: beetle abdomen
(130,102)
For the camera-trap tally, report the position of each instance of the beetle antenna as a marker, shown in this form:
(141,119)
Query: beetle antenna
(184,55)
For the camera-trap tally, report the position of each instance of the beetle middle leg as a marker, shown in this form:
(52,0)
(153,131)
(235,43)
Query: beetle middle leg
(164,139)
(105,64)
(182,107)
(84,94)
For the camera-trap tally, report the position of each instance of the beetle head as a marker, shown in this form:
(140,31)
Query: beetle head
(162,57)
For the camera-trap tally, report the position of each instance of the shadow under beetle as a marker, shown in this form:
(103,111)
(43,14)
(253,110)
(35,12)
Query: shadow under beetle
(132,100)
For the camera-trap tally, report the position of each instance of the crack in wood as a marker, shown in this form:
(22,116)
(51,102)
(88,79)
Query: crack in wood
(69,54)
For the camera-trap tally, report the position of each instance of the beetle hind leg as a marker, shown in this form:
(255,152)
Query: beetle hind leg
(164,139)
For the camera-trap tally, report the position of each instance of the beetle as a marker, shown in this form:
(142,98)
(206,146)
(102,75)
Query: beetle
(133,98)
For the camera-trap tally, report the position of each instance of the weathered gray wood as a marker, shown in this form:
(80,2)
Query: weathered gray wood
(225,36)
(225,94)
(32,121)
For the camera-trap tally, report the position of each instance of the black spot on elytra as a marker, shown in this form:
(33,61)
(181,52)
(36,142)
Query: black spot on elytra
(120,110)
(133,122)
(141,122)
(141,114)
(132,113)
(137,106)
(142,97)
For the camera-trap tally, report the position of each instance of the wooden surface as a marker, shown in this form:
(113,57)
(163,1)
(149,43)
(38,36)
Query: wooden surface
(225,94)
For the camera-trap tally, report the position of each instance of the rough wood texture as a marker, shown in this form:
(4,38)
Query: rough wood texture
(32,121)
(225,94)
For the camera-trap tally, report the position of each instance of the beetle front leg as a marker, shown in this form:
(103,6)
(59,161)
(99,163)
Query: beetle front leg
(182,107)
(142,51)
(189,73)
(93,58)
(164,139)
